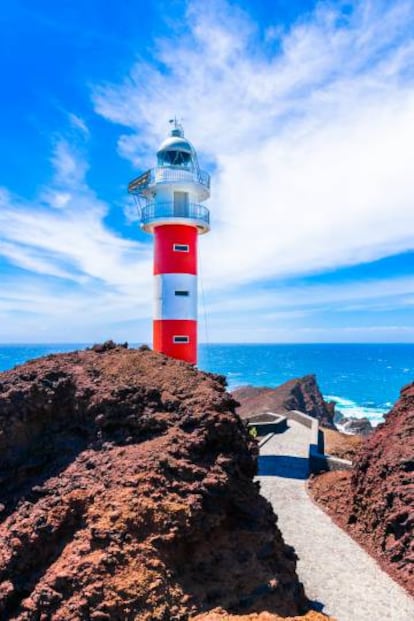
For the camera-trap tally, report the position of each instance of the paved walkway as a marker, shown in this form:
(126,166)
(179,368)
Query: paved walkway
(338,575)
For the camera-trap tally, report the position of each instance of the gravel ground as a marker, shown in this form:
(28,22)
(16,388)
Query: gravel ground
(338,575)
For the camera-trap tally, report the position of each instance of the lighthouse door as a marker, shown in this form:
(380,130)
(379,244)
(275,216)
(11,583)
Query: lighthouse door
(181,204)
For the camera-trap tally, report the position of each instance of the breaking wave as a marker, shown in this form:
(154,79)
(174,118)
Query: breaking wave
(350,408)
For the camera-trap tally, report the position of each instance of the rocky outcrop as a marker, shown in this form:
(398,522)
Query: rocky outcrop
(383,490)
(375,502)
(356,426)
(127,493)
(301,394)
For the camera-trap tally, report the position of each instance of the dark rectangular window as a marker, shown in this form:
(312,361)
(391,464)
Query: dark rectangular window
(181,248)
(182,293)
(181,339)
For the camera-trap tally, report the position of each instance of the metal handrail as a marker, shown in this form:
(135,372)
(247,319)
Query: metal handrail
(168,174)
(165,173)
(157,211)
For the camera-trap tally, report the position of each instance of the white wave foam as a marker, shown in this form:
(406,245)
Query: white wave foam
(350,408)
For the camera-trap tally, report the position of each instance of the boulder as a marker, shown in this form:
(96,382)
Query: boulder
(356,426)
(127,492)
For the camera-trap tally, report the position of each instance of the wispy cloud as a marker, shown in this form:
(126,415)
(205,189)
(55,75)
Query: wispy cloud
(35,309)
(311,132)
(78,278)
(63,233)
(79,124)
(365,294)
(312,312)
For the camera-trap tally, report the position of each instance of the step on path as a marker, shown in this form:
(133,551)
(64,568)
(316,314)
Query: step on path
(338,575)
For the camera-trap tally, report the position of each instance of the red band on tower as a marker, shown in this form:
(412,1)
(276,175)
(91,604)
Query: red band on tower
(164,332)
(175,249)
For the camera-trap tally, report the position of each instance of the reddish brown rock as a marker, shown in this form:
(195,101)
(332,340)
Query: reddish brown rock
(221,615)
(301,394)
(375,502)
(127,493)
(342,445)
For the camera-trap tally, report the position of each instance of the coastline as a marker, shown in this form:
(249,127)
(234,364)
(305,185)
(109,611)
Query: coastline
(363,379)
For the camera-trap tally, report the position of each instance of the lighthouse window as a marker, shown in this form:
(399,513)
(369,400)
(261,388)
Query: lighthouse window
(181,339)
(181,248)
(182,293)
(175,158)
(181,204)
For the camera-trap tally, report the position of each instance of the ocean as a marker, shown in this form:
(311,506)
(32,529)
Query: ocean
(363,379)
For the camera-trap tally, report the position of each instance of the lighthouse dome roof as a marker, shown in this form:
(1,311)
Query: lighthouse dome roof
(176,151)
(176,143)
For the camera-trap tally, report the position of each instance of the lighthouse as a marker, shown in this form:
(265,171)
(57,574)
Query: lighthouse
(170,198)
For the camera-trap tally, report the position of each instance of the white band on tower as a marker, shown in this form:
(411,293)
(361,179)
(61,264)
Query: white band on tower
(175,296)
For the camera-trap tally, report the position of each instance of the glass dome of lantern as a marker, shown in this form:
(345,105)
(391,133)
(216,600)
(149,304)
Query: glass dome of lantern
(176,151)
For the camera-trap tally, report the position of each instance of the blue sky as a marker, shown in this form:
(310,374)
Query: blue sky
(303,112)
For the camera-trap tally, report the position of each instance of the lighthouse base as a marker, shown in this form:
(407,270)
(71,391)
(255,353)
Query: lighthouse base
(176,338)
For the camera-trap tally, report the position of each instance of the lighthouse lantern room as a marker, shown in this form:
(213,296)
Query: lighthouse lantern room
(170,197)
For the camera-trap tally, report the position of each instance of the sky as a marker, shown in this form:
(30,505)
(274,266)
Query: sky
(301,111)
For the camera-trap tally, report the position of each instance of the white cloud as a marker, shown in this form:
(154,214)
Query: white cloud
(32,310)
(69,170)
(365,294)
(310,133)
(312,312)
(79,124)
(71,241)
(312,137)
(80,279)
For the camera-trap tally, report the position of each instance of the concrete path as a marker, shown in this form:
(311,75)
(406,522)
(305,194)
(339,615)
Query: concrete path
(338,575)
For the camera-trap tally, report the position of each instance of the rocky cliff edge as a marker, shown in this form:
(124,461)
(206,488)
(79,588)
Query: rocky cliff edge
(301,394)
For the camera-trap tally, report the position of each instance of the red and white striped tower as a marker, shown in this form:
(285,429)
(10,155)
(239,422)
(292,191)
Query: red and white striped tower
(172,193)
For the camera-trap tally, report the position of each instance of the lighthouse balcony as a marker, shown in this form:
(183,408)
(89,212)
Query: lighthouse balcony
(144,185)
(192,214)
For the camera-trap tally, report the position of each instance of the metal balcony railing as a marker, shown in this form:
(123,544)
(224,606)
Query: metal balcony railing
(161,211)
(164,173)
(168,175)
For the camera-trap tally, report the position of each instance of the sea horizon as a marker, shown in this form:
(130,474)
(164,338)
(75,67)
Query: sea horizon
(364,379)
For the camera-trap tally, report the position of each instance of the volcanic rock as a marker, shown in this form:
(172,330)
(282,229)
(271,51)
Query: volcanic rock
(375,502)
(357,426)
(127,493)
(222,615)
(301,394)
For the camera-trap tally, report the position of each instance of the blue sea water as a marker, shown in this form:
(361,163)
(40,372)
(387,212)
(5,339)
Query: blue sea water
(364,379)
